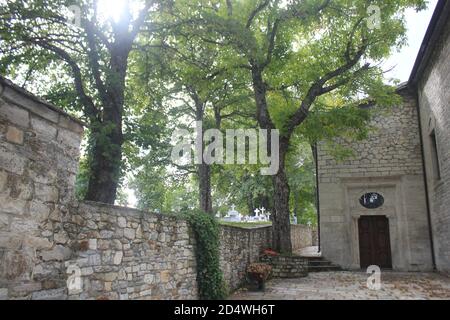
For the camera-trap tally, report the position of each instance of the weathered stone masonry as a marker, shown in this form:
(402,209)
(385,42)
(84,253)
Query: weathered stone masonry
(39,150)
(388,162)
(433,89)
(53,247)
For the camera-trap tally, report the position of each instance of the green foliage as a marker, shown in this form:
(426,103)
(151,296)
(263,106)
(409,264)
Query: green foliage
(82,180)
(209,276)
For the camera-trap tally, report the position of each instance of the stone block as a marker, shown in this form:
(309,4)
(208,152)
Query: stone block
(10,241)
(54,294)
(44,130)
(165,276)
(37,243)
(14,135)
(15,265)
(11,161)
(68,138)
(92,244)
(122,222)
(118,258)
(46,193)
(31,105)
(15,115)
(58,253)
(67,123)
(39,211)
(24,226)
(129,233)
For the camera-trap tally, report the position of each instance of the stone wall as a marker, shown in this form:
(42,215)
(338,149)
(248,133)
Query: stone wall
(122,253)
(53,247)
(434,102)
(389,162)
(301,237)
(39,150)
(240,247)
(287,267)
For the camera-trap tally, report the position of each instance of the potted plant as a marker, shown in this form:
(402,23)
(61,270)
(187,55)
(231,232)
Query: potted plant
(270,253)
(257,274)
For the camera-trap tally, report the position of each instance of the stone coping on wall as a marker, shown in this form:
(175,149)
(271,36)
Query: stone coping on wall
(16,95)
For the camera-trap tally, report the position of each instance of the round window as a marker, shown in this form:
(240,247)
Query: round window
(372,200)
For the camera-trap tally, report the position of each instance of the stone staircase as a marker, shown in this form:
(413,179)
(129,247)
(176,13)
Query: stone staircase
(320,264)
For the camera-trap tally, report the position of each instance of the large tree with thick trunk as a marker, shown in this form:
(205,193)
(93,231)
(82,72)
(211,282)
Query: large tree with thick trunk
(90,50)
(306,60)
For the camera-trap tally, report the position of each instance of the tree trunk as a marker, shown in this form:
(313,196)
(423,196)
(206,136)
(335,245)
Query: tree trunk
(204,182)
(107,136)
(105,163)
(281,218)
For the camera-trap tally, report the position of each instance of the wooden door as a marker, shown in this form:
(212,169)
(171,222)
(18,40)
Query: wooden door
(374,242)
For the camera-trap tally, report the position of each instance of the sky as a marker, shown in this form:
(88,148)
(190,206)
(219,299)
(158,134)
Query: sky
(403,61)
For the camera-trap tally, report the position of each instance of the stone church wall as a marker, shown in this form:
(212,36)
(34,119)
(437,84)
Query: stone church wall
(434,102)
(388,162)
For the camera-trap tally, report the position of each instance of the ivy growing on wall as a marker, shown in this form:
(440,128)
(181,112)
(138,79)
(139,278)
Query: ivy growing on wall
(209,276)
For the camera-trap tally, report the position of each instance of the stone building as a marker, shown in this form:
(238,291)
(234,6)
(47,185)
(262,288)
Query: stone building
(389,205)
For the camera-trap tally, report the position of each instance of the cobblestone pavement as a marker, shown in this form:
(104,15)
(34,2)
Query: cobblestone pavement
(353,286)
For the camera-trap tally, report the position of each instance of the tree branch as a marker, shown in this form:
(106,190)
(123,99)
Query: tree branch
(255,12)
(90,110)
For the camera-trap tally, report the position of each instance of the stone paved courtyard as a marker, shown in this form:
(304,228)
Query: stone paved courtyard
(352,286)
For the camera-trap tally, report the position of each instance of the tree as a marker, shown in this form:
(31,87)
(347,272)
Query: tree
(201,90)
(304,57)
(95,54)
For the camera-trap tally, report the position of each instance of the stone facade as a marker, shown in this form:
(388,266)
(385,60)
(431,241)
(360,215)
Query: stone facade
(388,162)
(433,90)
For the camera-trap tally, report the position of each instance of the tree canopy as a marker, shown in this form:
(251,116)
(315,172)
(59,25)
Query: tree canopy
(309,68)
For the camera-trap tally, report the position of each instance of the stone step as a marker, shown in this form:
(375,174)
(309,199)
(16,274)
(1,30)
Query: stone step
(331,268)
(319,263)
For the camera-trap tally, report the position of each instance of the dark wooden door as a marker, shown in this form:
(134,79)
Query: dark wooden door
(374,242)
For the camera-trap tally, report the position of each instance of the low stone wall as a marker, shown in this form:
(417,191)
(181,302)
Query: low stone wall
(121,253)
(301,237)
(240,247)
(287,267)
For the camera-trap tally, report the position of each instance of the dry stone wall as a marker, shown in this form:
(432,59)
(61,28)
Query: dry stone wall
(240,247)
(122,253)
